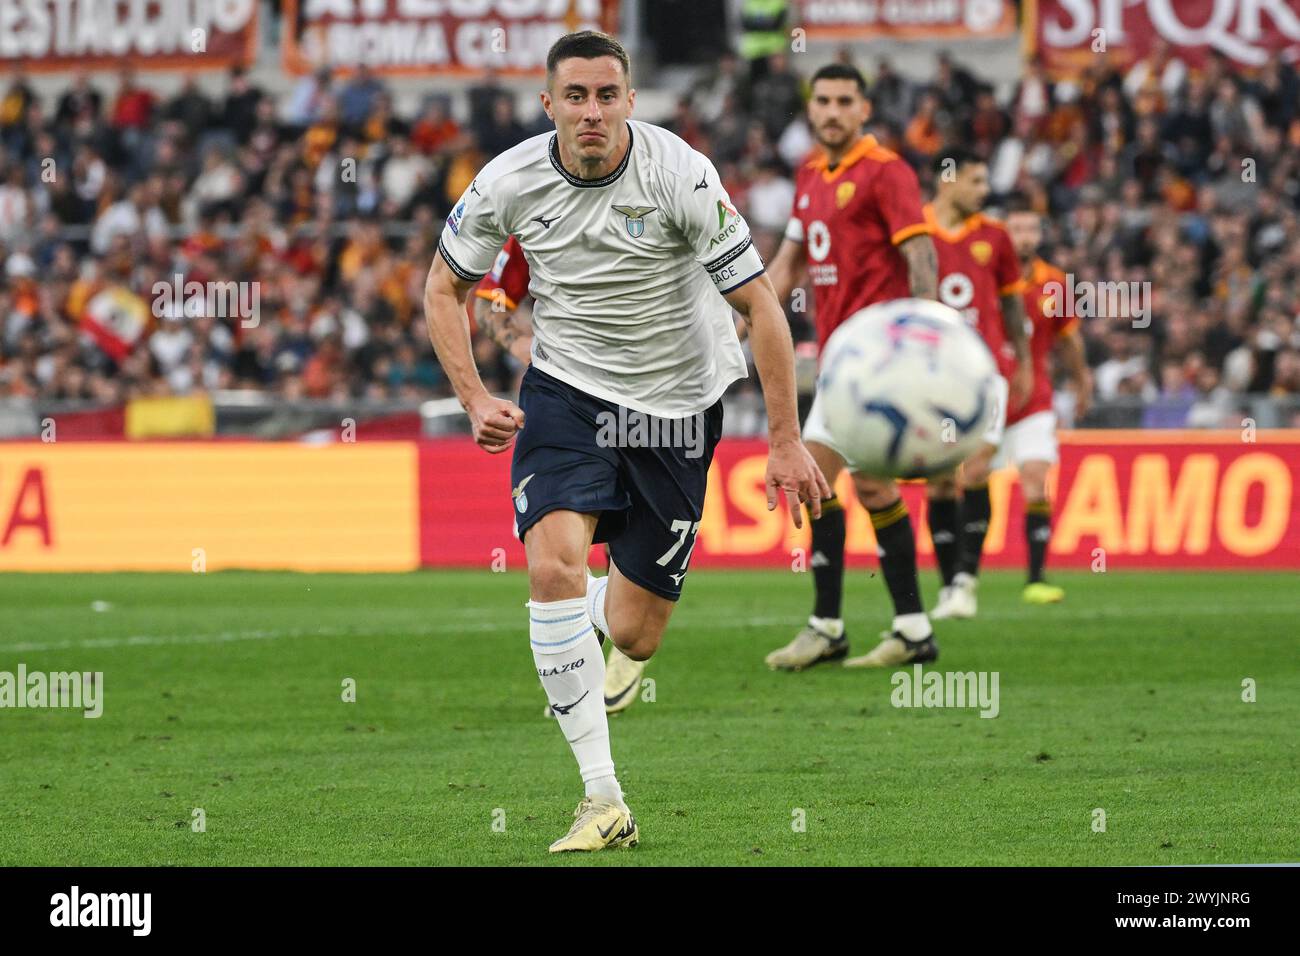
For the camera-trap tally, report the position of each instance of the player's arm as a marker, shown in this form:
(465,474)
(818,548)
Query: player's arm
(785,271)
(1013,324)
(725,250)
(1070,343)
(497,298)
(787,268)
(790,468)
(898,198)
(1011,292)
(494,420)
(922,265)
(502,322)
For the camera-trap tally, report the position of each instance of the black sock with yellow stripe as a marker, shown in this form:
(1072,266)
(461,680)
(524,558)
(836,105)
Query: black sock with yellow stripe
(827,560)
(975,512)
(897,546)
(1038,532)
(943,515)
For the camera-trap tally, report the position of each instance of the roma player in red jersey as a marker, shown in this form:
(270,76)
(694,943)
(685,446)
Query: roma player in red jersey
(979,276)
(858,229)
(1030,439)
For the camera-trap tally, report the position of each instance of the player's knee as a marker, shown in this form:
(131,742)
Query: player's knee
(554,577)
(1033,481)
(641,645)
(875,493)
(942,487)
(638,631)
(976,471)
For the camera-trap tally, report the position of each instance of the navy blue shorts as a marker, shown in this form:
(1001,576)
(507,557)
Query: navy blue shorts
(645,476)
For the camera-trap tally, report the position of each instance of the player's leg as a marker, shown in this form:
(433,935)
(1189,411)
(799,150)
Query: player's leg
(823,638)
(565,484)
(976,510)
(635,620)
(1035,453)
(944,515)
(910,640)
(571,668)
(650,555)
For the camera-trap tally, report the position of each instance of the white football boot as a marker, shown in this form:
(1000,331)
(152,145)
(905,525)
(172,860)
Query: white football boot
(957,601)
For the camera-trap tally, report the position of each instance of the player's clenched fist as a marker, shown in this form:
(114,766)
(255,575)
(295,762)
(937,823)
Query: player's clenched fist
(495,421)
(791,469)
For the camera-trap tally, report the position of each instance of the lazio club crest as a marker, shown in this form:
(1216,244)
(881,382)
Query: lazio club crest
(635,221)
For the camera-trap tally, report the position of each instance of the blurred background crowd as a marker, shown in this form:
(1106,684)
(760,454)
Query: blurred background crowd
(331,200)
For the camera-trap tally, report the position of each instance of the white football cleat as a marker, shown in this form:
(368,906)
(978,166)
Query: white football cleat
(599,824)
(894,651)
(622,680)
(957,601)
(810,646)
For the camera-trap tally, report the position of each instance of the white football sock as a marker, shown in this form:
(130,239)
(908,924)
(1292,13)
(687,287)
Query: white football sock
(596,588)
(572,671)
(832,627)
(913,627)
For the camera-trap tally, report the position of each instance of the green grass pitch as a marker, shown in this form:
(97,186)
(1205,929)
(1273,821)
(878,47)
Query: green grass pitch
(224,692)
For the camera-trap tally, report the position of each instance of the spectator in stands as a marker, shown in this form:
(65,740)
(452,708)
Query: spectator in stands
(132,217)
(1185,180)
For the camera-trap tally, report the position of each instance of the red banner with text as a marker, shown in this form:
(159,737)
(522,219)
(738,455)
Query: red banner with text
(109,34)
(1121,499)
(907,19)
(434,36)
(1070,35)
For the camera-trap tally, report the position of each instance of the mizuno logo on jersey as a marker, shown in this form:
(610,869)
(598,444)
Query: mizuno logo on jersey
(702,184)
(635,221)
(546,223)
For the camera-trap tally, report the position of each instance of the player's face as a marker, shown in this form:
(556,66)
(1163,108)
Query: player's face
(970,189)
(837,111)
(1026,233)
(590,102)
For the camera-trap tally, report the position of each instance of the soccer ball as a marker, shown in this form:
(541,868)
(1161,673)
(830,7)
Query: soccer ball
(907,389)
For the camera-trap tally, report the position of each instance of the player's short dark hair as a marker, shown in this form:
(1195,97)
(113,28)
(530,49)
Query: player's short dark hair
(954,157)
(586,45)
(1017,202)
(841,71)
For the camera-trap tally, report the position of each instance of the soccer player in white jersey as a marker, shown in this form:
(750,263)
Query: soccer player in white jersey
(630,238)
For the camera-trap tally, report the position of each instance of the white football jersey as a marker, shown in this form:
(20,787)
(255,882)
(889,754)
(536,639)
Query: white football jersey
(626,271)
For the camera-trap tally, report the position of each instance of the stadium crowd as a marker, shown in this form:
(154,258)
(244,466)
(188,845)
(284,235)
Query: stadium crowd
(1185,182)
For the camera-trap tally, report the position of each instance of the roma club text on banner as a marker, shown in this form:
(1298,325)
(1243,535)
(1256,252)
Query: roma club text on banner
(434,36)
(106,34)
(907,19)
(1069,35)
